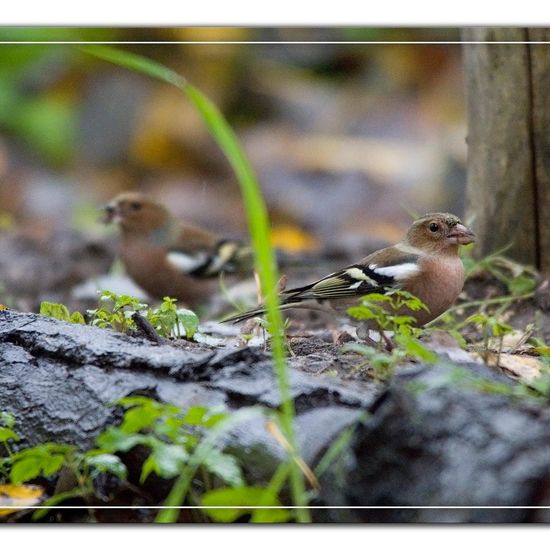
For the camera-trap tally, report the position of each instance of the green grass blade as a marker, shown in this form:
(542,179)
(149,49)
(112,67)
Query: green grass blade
(258,224)
(136,63)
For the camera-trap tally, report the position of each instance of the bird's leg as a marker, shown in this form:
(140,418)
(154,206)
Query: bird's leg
(258,287)
(259,330)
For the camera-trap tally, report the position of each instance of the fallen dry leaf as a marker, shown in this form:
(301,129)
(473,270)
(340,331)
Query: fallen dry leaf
(293,239)
(522,367)
(513,342)
(18,495)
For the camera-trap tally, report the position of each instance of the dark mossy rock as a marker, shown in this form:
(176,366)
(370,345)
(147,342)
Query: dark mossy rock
(430,438)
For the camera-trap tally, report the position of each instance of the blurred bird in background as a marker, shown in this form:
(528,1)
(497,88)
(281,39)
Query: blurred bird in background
(167,257)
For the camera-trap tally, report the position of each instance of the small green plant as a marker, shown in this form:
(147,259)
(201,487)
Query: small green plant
(47,459)
(181,443)
(171,434)
(490,325)
(117,312)
(383,312)
(173,322)
(61,313)
(519,279)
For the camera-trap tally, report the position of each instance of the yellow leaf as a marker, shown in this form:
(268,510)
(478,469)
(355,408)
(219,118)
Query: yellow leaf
(292,239)
(213,33)
(18,495)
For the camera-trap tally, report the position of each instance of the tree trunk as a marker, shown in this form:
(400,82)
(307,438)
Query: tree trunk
(508,90)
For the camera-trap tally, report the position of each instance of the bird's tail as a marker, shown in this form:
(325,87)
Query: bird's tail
(289,299)
(256,312)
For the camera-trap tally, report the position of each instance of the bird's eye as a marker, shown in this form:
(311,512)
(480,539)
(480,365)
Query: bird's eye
(434,227)
(135,206)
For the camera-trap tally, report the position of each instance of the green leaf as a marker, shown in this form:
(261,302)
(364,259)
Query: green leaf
(189,321)
(138,418)
(136,63)
(7,419)
(47,459)
(362,313)
(498,328)
(60,312)
(414,348)
(376,297)
(25,470)
(224,466)
(477,318)
(194,416)
(270,515)
(403,320)
(47,124)
(246,498)
(165,460)
(521,285)
(52,465)
(358,348)
(107,463)
(77,318)
(135,400)
(57,311)
(6,433)
(168,305)
(202,416)
(114,439)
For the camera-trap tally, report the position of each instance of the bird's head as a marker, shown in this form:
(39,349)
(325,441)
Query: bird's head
(135,213)
(439,231)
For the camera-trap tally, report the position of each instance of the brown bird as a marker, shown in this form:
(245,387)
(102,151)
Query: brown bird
(425,263)
(166,257)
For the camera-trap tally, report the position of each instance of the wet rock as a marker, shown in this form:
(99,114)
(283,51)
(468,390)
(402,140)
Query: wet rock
(433,439)
(59,378)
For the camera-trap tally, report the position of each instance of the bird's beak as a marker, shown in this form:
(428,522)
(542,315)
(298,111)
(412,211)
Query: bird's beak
(110,213)
(460,234)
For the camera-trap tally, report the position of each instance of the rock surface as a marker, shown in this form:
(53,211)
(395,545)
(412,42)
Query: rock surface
(431,438)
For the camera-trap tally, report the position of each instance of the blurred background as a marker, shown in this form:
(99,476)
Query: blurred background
(349,142)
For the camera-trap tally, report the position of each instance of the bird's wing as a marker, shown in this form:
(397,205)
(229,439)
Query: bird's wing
(225,256)
(379,272)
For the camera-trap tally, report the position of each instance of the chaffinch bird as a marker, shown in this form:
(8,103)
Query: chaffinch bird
(169,258)
(425,263)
